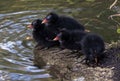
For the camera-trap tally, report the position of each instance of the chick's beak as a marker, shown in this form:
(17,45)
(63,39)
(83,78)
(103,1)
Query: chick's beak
(44,21)
(56,38)
(29,26)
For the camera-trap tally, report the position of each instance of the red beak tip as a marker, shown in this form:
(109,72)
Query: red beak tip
(29,26)
(44,21)
(56,39)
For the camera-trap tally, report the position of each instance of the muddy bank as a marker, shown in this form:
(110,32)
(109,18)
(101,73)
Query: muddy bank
(64,66)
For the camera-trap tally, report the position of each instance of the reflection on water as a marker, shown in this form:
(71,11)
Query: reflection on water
(16,50)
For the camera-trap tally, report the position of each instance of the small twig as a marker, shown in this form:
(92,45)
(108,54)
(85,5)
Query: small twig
(114,15)
(111,16)
(113,4)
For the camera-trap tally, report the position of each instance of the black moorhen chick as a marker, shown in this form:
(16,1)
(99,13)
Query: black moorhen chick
(55,23)
(93,47)
(41,35)
(70,39)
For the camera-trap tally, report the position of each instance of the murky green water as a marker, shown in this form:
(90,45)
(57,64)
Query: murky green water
(15,15)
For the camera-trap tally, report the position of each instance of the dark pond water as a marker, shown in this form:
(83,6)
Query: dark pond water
(15,15)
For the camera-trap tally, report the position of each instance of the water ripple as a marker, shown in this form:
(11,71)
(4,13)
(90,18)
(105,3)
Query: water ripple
(15,50)
(8,46)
